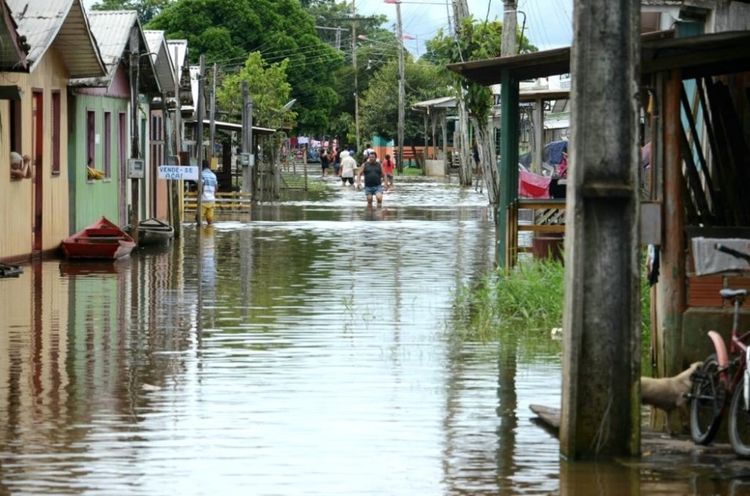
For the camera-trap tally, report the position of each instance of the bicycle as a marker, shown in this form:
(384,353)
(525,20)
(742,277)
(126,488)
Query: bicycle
(718,377)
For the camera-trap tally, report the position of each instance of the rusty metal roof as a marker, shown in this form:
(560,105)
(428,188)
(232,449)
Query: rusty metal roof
(165,67)
(111,29)
(62,23)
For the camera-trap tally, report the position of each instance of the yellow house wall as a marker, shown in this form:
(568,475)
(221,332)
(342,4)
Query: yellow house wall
(16,197)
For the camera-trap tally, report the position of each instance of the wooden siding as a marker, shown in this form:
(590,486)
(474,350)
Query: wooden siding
(93,198)
(16,197)
(156,158)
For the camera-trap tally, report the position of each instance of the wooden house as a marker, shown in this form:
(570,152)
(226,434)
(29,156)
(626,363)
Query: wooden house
(162,119)
(60,48)
(102,114)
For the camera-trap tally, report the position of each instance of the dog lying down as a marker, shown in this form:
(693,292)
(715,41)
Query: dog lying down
(668,393)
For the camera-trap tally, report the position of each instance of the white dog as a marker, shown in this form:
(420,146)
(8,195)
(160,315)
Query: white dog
(668,393)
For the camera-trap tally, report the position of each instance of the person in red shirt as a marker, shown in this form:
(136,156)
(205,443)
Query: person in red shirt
(388,166)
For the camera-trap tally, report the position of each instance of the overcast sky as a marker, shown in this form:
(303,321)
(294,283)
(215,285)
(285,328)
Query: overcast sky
(549,23)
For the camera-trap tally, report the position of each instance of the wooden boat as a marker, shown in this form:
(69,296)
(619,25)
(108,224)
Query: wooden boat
(101,240)
(153,232)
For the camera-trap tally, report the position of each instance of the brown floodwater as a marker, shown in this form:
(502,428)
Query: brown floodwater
(305,348)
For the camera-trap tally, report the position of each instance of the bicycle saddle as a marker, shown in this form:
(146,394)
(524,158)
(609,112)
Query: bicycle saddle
(732,293)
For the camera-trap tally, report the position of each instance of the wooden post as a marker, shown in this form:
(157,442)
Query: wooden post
(177,185)
(538,148)
(200,111)
(507,241)
(135,197)
(671,297)
(601,409)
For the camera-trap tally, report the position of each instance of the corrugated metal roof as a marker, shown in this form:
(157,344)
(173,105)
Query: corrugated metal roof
(63,23)
(443,102)
(111,29)
(162,59)
(178,49)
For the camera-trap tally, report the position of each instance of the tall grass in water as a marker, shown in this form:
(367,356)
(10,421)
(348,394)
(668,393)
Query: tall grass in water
(529,299)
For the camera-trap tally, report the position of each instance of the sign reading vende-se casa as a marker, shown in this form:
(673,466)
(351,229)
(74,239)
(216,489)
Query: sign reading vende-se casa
(178,172)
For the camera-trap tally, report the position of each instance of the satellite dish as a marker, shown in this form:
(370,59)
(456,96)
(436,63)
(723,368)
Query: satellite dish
(289,104)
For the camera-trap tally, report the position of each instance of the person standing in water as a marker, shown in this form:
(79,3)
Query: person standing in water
(374,177)
(388,166)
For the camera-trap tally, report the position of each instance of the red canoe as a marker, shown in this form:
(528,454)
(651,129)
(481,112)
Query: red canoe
(101,240)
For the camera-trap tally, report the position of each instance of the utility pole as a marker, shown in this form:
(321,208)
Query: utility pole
(134,185)
(199,138)
(175,192)
(401,96)
(601,321)
(354,65)
(510,26)
(248,183)
(212,117)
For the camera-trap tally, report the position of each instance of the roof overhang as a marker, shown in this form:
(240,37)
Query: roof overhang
(444,102)
(113,30)
(709,54)
(162,60)
(230,126)
(62,23)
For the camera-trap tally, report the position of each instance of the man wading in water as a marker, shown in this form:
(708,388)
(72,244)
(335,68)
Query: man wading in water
(374,177)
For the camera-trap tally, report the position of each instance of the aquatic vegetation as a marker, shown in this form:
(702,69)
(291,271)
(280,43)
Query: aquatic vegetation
(529,300)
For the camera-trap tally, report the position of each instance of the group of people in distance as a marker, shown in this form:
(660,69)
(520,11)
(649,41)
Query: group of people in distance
(378,176)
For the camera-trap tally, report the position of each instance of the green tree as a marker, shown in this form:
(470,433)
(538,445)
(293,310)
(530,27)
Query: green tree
(474,41)
(226,31)
(379,107)
(146,9)
(269,89)
(336,25)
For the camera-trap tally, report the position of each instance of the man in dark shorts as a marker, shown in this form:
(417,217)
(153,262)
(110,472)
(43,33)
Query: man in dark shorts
(374,177)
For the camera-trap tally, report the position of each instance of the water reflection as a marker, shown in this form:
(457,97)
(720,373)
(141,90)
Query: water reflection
(300,349)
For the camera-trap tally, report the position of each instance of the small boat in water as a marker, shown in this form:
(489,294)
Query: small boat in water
(101,240)
(153,232)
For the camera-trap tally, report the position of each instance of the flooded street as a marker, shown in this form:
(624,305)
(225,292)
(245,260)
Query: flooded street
(301,349)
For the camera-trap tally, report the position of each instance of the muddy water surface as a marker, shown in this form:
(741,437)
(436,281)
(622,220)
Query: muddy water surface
(301,349)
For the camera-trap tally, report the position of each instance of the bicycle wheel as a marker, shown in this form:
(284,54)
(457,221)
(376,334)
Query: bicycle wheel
(708,395)
(739,423)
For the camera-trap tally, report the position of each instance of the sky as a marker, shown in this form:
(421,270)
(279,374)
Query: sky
(549,23)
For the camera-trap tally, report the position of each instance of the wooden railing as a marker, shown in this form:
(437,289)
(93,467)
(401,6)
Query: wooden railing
(557,207)
(230,202)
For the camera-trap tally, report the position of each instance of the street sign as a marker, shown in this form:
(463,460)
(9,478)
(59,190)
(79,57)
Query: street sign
(178,172)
